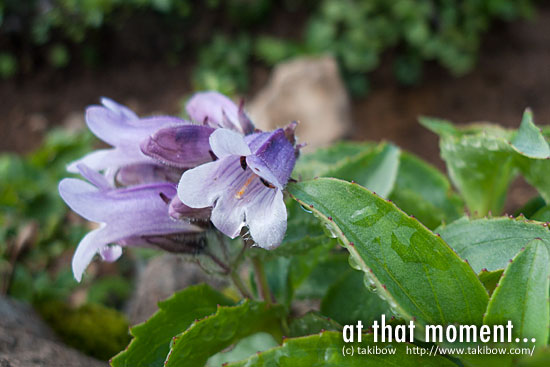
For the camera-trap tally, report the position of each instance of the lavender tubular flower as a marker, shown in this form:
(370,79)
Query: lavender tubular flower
(181,147)
(244,186)
(127,216)
(120,127)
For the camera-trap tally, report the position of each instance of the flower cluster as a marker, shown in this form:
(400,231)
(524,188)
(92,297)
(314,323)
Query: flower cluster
(165,179)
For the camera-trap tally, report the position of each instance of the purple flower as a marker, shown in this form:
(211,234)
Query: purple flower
(124,130)
(136,216)
(216,110)
(244,186)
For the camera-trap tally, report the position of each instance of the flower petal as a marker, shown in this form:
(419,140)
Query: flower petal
(228,215)
(104,159)
(227,142)
(115,130)
(179,210)
(94,177)
(273,159)
(124,213)
(266,218)
(201,186)
(110,253)
(184,146)
(211,107)
(122,111)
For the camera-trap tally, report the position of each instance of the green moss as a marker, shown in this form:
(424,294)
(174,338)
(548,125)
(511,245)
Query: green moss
(94,329)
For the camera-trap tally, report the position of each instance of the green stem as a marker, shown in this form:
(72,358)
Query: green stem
(237,281)
(261,281)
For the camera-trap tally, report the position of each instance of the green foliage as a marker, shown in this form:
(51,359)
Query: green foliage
(8,65)
(356,32)
(483,159)
(214,333)
(490,243)
(94,329)
(522,295)
(325,349)
(222,65)
(151,342)
(412,269)
(349,299)
(33,236)
(312,323)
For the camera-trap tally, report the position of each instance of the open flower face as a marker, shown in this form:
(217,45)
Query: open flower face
(128,216)
(244,186)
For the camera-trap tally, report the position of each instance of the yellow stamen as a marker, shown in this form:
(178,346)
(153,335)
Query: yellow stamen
(240,193)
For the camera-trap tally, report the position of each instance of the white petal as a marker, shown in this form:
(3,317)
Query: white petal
(226,142)
(266,218)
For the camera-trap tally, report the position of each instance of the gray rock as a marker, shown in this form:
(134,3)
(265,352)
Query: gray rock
(163,276)
(26,341)
(308,90)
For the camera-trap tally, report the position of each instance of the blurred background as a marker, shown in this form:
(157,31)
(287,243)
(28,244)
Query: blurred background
(362,70)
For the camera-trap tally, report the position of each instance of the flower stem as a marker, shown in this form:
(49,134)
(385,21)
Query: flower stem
(261,281)
(237,281)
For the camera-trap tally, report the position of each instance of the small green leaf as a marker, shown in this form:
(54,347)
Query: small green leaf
(325,349)
(490,279)
(542,215)
(491,243)
(371,166)
(312,323)
(322,160)
(535,172)
(348,300)
(414,270)
(529,140)
(522,295)
(151,342)
(376,170)
(229,324)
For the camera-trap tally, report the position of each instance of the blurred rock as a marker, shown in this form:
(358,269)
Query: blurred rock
(26,341)
(308,90)
(74,121)
(163,276)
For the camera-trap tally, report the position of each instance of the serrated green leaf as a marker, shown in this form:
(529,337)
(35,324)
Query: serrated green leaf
(421,190)
(522,295)
(229,324)
(491,243)
(414,270)
(490,279)
(325,349)
(482,168)
(243,349)
(529,140)
(312,323)
(151,342)
(348,300)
